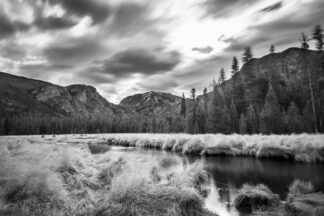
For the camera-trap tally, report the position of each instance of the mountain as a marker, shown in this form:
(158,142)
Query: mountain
(158,104)
(277,93)
(21,95)
(290,73)
(41,107)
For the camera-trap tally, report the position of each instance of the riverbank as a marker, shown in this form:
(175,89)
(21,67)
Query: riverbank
(307,148)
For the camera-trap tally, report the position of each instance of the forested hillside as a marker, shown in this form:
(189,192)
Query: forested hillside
(278,93)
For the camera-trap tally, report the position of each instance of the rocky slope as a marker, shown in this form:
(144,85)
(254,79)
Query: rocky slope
(20,95)
(154,103)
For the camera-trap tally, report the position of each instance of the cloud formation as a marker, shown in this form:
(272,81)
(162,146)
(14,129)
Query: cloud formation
(129,46)
(97,10)
(140,61)
(273,7)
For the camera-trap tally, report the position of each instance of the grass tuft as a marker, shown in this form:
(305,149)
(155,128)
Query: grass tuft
(301,187)
(253,198)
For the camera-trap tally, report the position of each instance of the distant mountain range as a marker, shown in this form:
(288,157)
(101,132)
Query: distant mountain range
(292,74)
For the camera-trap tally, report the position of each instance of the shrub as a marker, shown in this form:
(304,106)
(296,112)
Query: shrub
(257,197)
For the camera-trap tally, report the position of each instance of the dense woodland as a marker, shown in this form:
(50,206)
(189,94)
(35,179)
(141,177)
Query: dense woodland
(225,109)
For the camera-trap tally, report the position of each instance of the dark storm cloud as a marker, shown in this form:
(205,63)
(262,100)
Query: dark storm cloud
(73,51)
(141,61)
(224,8)
(272,7)
(206,49)
(98,11)
(8,27)
(48,23)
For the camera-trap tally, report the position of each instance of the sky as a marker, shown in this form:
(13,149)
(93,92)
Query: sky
(124,47)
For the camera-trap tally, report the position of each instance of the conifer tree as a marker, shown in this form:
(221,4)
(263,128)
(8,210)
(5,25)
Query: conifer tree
(252,120)
(271,116)
(304,41)
(234,117)
(272,49)
(243,124)
(183,108)
(247,55)
(294,119)
(308,120)
(235,66)
(221,77)
(318,36)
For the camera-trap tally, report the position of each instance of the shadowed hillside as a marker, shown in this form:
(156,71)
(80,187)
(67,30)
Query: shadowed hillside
(274,89)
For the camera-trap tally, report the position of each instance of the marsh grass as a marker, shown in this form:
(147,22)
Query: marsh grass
(253,198)
(136,196)
(112,170)
(301,187)
(307,148)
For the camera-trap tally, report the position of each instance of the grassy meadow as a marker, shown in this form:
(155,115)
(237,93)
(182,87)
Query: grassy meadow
(79,175)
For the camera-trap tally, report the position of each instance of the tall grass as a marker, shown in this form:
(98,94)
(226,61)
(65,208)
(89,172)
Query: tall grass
(252,198)
(308,148)
(301,187)
(61,177)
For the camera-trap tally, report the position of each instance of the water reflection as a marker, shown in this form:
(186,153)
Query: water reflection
(277,175)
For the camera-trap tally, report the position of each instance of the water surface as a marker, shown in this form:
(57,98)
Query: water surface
(228,174)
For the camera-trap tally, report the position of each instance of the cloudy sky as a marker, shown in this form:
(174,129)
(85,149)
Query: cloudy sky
(123,47)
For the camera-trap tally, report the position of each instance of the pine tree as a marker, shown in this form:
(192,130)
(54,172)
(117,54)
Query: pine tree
(234,117)
(252,120)
(243,124)
(308,120)
(318,36)
(193,93)
(183,106)
(294,119)
(271,116)
(6,126)
(193,118)
(235,66)
(247,55)
(221,77)
(219,121)
(272,49)
(304,41)
(205,113)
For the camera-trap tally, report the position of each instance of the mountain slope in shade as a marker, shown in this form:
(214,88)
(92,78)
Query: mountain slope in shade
(286,71)
(21,95)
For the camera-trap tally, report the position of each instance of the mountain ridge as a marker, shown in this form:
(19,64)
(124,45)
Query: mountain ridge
(290,73)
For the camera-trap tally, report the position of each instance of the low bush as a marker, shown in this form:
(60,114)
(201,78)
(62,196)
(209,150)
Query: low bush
(252,198)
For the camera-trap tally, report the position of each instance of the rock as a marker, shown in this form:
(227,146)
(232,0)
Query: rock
(311,204)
